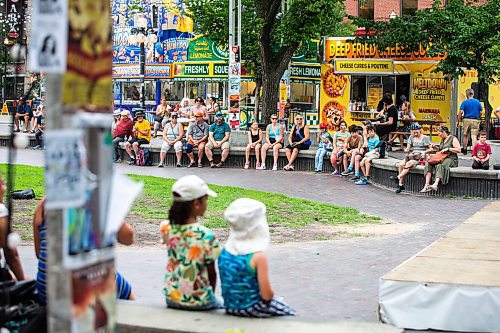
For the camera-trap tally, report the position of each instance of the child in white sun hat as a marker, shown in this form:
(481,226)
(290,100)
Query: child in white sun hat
(242,263)
(192,248)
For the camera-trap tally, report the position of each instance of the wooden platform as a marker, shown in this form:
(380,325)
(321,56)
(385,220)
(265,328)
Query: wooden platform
(459,272)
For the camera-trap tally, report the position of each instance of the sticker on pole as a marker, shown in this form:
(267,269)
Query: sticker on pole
(65,169)
(49,36)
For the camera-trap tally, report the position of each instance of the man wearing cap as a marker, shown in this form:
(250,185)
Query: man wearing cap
(218,137)
(122,130)
(470,112)
(141,135)
(197,136)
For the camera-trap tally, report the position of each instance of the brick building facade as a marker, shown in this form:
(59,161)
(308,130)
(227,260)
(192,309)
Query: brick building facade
(381,9)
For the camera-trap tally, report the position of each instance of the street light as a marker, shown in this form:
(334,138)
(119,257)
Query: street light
(139,35)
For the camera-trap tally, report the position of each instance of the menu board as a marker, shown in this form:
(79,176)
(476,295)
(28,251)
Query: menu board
(374,95)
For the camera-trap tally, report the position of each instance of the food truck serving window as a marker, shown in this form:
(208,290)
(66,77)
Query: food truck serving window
(367,91)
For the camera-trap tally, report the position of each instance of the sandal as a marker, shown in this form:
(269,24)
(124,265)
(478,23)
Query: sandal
(286,168)
(434,187)
(192,164)
(426,189)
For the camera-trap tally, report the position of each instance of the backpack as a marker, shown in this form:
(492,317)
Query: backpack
(147,157)
(139,159)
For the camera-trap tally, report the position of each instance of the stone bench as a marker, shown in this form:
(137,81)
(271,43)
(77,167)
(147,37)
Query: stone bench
(464,181)
(136,318)
(236,159)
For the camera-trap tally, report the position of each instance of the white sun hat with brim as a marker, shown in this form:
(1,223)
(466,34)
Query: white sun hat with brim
(190,188)
(249,231)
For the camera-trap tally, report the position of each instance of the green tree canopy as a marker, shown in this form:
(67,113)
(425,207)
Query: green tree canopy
(272,31)
(467,34)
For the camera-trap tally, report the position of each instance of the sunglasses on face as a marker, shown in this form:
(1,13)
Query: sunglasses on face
(274,118)
(299,118)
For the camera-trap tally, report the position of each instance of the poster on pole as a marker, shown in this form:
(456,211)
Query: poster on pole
(234,78)
(65,169)
(93,298)
(49,37)
(87,83)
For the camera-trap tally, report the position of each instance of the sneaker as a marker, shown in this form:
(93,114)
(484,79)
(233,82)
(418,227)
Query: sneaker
(286,168)
(257,166)
(161,165)
(356,178)
(220,164)
(191,164)
(394,179)
(317,171)
(335,173)
(361,182)
(132,161)
(118,161)
(400,189)
(200,165)
(212,164)
(262,167)
(347,172)
(179,165)
(247,165)
(37,147)
(291,168)
(17,130)
(275,167)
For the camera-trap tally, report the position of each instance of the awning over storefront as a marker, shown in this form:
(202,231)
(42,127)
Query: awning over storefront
(132,71)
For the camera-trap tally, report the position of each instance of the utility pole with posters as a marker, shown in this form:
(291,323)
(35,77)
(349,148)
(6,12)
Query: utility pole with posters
(71,42)
(234,71)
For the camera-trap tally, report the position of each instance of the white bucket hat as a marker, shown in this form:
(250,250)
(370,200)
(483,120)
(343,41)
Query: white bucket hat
(190,188)
(249,231)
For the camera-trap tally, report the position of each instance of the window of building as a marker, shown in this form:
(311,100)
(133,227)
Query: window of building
(409,7)
(366,9)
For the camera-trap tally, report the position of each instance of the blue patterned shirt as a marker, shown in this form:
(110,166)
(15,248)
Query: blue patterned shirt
(240,287)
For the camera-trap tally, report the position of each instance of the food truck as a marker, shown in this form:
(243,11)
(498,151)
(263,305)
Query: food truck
(354,77)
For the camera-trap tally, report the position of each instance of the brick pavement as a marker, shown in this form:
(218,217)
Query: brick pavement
(331,279)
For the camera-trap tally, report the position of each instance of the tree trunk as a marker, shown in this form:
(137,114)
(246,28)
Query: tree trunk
(484,94)
(258,86)
(270,95)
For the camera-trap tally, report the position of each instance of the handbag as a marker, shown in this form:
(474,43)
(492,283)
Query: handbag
(308,142)
(23,194)
(437,158)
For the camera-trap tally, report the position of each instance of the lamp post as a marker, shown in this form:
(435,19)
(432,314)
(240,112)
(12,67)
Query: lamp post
(139,35)
(4,73)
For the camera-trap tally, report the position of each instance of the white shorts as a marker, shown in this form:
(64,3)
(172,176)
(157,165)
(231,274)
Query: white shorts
(166,147)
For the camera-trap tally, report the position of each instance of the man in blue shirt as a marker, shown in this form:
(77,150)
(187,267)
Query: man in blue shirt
(218,137)
(23,112)
(470,112)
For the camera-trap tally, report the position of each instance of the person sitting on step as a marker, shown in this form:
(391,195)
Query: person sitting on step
(254,142)
(418,147)
(141,135)
(173,133)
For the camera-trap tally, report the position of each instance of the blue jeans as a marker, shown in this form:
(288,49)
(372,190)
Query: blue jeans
(318,160)
(116,147)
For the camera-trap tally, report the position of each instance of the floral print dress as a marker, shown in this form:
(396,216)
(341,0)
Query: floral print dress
(190,248)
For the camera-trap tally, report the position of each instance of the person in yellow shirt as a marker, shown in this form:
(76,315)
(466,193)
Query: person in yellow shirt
(141,135)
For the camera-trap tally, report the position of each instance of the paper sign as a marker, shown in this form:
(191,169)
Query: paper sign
(49,36)
(65,169)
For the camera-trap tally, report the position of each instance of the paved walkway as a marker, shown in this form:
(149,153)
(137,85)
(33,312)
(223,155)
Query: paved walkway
(332,279)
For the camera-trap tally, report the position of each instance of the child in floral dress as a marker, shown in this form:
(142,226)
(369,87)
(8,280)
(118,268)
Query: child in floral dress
(192,248)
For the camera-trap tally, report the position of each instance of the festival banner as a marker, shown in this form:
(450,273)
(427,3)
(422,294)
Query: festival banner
(202,49)
(234,76)
(334,97)
(430,93)
(342,47)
